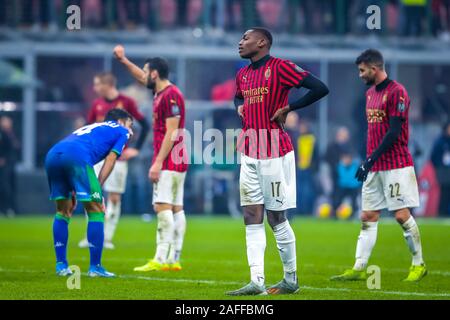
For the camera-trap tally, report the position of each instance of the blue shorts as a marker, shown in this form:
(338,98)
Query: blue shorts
(68,175)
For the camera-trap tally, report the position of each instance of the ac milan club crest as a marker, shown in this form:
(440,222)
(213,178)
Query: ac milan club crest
(268,73)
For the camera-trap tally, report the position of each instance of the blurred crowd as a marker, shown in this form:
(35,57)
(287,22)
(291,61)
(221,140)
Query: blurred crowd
(9,157)
(399,17)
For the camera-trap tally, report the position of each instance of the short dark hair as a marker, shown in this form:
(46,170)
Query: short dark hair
(264,32)
(371,56)
(159,64)
(107,78)
(117,114)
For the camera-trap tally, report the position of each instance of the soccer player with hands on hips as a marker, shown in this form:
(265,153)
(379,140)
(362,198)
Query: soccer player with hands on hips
(389,180)
(70,170)
(267,175)
(169,163)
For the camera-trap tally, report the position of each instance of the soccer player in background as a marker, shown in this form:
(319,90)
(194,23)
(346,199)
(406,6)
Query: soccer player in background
(169,163)
(267,176)
(389,180)
(71,177)
(105,86)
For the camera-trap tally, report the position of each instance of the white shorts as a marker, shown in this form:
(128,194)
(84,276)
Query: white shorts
(392,189)
(270,182)
(117,180)
(170,188)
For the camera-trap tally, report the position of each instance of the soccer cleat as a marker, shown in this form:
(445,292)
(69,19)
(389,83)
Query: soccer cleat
(62,269)
(99,271)
(251,289)
(153,265)
(83,243)
(109,245)
(350,275)
(416,273)
(283,287)
(176,266)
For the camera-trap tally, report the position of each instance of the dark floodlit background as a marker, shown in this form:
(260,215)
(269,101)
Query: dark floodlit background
(46,76)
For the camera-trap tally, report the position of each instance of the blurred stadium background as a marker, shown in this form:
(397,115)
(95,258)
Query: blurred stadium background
(46,76)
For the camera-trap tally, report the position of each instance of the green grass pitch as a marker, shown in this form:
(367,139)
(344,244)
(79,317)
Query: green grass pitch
(214,261)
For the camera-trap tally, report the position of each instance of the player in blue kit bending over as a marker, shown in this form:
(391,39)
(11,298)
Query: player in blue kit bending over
(71,177)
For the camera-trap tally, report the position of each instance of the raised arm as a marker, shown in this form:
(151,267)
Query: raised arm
(138,73)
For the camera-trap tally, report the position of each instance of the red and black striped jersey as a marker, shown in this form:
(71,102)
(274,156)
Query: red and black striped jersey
(101,106)
(264,85)
(385,100)
(166,104)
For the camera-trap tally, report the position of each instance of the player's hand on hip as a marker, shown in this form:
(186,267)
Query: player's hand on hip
(364,169)
(240,110)
(119,52)
(129,153)
(155,171)
(280,116)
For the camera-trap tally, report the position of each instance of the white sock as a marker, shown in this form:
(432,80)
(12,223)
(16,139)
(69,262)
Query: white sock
(179,221)
(285,238)
(112,216)
(366,242)
(164,235)
(412,237)
(256,245)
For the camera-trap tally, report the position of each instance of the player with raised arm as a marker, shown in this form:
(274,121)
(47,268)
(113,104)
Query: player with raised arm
(109,97)
(389,180)
(267,176)
(71,177)
(169,164)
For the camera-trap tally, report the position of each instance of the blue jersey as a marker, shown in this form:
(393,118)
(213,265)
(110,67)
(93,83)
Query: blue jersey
(92,143)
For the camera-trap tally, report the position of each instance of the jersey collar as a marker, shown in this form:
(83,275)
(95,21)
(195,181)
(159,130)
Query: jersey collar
(160,92)
(383,85)
(260,62)
(112,100)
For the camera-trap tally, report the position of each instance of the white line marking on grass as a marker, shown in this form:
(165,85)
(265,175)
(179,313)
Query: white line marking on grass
(129,276)
(397,270)
(235,263)
(398,293)
(221,282)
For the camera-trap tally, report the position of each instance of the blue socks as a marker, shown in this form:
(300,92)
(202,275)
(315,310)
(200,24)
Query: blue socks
(60,237)
(95,235)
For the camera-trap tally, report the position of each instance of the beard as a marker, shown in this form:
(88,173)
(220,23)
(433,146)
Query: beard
(151,84)
(370,82)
